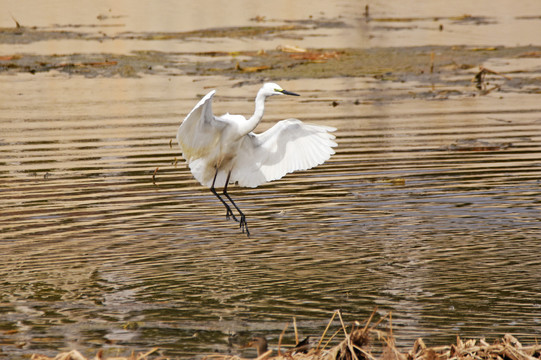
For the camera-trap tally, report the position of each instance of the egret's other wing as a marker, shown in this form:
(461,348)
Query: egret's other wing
(288,146)
(200,130)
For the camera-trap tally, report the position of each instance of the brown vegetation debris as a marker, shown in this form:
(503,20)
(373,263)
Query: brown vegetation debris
(530,54)
(476,145)
(479,78)
(76,355)
(259,18)
(290,49)
(358,342)
(251,69)
(10,57)
(315,56)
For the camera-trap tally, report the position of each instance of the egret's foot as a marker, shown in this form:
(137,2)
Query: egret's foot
(244,225)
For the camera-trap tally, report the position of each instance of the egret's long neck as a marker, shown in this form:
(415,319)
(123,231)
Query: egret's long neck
(252,122)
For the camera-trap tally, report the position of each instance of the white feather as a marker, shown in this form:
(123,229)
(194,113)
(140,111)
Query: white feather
(288,146)
(216,146)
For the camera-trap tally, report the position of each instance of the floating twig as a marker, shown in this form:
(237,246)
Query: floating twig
(280,339)
(479,78)
(154,176)
(295,328)
(16,22)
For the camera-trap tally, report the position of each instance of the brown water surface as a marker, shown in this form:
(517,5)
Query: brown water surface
(399,218)
(430,209)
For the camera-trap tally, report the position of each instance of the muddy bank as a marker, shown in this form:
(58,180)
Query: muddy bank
(441,66)
(285,29)
(446,69)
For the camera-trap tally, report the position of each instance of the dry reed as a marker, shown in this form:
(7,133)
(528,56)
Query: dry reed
(363,343)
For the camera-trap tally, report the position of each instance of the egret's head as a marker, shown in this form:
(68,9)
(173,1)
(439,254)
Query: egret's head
(270,89)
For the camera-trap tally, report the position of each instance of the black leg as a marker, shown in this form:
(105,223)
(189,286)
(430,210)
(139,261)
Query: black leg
(243,224)
(228,209)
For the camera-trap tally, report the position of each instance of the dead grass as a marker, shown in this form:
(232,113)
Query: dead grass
(362,341)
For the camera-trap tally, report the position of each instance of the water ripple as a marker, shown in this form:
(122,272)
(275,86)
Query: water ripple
(446,238)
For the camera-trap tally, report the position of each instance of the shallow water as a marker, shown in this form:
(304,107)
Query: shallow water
(389,24)
(429,209)
(448,240)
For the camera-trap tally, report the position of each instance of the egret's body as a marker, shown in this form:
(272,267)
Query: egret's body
(223,149)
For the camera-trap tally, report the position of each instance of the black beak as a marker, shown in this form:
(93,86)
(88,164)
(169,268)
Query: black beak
(285,92)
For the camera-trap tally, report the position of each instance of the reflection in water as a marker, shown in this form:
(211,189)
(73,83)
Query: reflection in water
(447,239)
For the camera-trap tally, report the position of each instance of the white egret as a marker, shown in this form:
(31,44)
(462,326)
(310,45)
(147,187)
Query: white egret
(222,150)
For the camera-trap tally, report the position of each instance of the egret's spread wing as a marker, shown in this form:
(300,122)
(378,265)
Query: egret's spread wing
(288,146)
(200,130)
